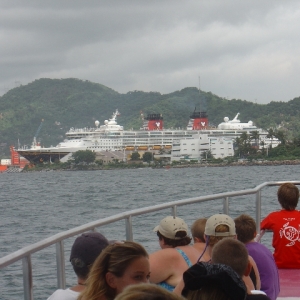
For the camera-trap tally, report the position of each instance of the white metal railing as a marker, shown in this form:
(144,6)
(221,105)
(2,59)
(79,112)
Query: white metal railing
(25,253)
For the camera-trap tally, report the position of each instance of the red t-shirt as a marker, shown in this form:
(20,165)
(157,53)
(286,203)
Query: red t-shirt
(285,225)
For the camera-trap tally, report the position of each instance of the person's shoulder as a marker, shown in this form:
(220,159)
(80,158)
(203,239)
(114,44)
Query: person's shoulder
(275,212)
(271,216)
(64,295)
(168,253)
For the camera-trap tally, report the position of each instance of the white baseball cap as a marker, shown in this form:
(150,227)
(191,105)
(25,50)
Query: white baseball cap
(219,219)
(169,226)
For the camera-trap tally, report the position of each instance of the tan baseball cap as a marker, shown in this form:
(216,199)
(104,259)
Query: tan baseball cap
(219,219)
(169,226)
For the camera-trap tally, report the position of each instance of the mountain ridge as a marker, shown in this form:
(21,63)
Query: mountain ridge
(65,103)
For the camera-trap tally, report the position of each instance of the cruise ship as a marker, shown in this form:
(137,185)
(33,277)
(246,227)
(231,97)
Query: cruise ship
(151,137)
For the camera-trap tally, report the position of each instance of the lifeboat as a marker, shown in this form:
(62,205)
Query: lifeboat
(156,147)
(129,148)
(168,146)
(143,148)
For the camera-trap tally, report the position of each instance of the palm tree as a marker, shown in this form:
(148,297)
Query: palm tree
(262,143)
(243,144)
(271,135)
(281,136)
(255,136)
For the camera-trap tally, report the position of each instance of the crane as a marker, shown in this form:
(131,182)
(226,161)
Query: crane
(34,143)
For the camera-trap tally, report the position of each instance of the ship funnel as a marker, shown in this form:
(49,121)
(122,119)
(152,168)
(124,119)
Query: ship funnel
(154,122)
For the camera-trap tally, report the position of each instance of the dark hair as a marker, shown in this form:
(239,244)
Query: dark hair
(210,281)
(186,240)
(232,253)
(80,268)
(245,227)
(288,196)
(211,291)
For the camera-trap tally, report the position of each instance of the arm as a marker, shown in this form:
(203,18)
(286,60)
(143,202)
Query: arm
(161,266)
(179,287)
(254,266)
(266,223)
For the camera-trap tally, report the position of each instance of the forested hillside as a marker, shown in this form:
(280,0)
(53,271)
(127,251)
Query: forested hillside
(65,103)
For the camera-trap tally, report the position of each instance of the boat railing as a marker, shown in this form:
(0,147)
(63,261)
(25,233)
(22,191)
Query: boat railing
(25,253)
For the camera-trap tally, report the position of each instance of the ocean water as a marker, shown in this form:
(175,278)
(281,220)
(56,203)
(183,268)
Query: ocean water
(34,206)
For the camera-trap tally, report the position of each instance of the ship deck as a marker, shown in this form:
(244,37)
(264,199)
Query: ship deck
(289,278)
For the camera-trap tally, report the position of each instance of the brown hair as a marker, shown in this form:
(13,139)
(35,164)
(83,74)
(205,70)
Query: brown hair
(215,239)
(232,253)
(211,291)
(186,240)
(198,228)
(114,258)
(288,196)
(147,291)
(245,227)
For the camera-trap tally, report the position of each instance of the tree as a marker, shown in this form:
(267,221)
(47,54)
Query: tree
(147,157)
(135,156)
(84,156)
(207,155)
(255,137)
(281,137)
(243,145)
(271,135)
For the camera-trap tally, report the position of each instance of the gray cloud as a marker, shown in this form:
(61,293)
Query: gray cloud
(240,49)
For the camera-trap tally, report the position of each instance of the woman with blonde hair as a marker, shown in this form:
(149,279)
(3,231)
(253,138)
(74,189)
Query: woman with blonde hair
(119,265)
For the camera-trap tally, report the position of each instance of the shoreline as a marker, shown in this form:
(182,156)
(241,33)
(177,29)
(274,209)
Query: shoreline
(186,165)
(243,164)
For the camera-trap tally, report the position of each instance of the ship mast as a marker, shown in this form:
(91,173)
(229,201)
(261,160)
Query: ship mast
(199,96)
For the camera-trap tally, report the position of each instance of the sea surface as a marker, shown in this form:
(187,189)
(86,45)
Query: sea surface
(34,206)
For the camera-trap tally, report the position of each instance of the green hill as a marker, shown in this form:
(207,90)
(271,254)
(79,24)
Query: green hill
(65,103)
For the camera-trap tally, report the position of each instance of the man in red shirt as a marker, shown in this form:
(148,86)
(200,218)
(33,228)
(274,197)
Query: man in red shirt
(285,225)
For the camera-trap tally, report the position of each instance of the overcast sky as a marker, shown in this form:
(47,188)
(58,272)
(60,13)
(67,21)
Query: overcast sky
(243,49)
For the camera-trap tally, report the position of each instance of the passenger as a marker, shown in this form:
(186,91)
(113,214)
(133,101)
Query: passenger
(168,264)
(285,227)
(197,230)
(218,227)
(118,266)
(206,281)
(246,232)
(84,252)
(145,291)
(234,254)
(222,279)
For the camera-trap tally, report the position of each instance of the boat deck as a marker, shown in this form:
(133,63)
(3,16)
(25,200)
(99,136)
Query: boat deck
(289,289)
(289,278)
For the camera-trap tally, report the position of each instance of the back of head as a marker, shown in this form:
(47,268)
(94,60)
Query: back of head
(219,226)
(232,253)
(146,291)
(198,228)
(85,250)
(211,291)
(245,228)
(174,231)
(288,196)
(206,281)
(115,259)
